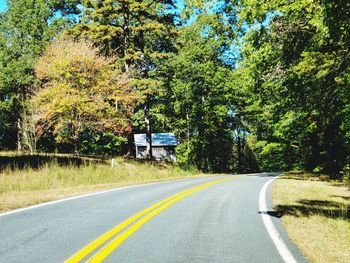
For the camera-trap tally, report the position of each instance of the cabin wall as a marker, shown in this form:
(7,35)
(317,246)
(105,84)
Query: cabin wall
(159,153)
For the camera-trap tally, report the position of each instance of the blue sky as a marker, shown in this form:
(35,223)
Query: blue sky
(2,4)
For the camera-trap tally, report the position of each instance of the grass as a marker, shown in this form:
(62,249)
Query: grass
(29,186)
(316,215)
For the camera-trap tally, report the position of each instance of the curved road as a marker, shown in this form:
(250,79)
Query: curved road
(215,221)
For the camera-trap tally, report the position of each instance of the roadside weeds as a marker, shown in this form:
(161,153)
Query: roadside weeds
(20,188)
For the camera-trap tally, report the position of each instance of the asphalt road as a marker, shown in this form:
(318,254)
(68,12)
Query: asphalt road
(216,223)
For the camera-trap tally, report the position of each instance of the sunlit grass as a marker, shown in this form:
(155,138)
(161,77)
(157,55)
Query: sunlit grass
(316,215)
(19,188)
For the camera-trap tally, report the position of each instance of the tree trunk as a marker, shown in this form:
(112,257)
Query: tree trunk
(130,151)
(126,38)
(148,132)
(239,151)
(19,137)
(144,71)
(127,67)
(188,131)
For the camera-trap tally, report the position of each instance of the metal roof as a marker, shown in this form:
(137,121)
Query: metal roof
(158,139)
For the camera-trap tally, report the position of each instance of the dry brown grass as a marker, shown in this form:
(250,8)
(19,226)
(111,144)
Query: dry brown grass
(20,188)
(316,215)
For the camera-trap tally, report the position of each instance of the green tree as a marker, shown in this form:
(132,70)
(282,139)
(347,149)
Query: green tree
(140,33)
(198,100)
(294,70)
(26,27)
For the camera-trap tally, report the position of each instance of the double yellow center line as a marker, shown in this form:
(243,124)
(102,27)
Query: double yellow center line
(136,222)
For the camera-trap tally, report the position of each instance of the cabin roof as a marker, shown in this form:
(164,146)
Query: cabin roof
(158,139)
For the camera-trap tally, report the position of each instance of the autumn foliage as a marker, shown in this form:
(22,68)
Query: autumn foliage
(81,90)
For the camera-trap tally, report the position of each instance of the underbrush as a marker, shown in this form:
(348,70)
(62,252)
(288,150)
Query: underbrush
(23,160)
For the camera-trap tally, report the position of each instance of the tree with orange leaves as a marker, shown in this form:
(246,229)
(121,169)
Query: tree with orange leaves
(82,89)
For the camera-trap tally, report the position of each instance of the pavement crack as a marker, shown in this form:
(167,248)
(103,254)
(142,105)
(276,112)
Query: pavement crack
(25,241)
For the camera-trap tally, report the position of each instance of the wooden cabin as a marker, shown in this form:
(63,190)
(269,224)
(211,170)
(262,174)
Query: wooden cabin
(163,146)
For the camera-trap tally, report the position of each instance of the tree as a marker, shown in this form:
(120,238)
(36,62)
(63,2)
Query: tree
(198,99)
(140,33)
(294,70)
(30,130)
(82,91)
(25,28)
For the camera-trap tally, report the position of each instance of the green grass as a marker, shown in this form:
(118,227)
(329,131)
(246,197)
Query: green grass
(316,214)
(23,187)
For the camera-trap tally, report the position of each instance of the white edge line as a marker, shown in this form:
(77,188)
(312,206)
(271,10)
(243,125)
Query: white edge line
(271,229)
(90,194)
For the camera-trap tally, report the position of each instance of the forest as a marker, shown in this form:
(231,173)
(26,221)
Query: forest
(246,85)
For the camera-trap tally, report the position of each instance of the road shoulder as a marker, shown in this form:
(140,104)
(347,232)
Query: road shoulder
(314,214)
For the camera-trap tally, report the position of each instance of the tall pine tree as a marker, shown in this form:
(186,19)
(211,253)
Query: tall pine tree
(140,33)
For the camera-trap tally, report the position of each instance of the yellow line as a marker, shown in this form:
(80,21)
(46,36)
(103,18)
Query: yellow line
(99,241)
(110,247)
(84,252)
